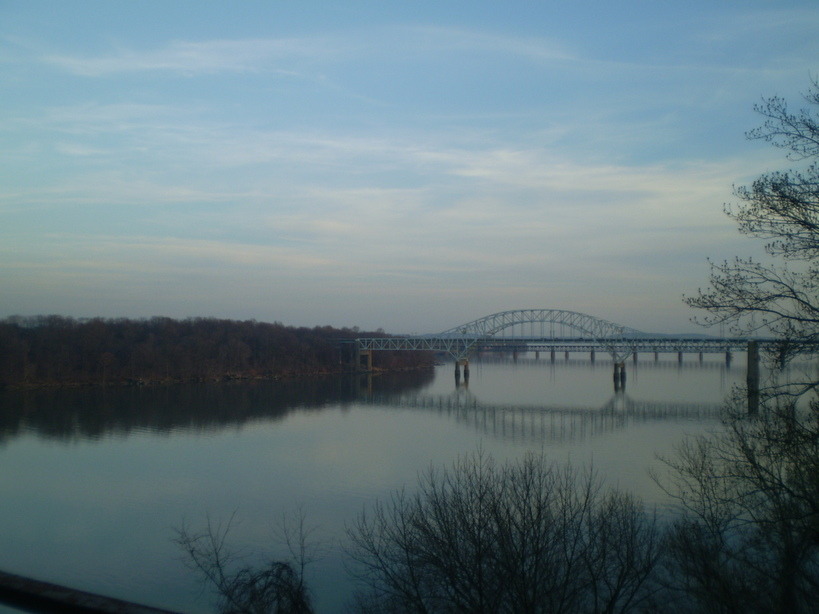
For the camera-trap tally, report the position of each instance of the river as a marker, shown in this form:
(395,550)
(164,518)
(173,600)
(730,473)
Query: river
(94,482)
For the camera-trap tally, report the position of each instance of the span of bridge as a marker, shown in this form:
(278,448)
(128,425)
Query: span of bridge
(553,330)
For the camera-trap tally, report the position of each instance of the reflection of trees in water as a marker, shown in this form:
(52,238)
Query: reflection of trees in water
(93,413)
(524,423)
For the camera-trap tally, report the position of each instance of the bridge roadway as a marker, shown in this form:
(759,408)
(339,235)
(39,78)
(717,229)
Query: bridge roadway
(459,347)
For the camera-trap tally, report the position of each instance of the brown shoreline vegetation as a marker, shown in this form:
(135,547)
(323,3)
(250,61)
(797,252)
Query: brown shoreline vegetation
(55,351)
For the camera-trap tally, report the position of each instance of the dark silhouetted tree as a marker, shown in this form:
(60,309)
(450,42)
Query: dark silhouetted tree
(529,536)
(777,298)
(277,587)
(748,540)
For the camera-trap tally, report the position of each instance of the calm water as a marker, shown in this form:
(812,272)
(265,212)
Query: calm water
(93,482)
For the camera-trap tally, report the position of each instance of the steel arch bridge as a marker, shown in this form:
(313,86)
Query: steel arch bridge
(552,330)
(546,327)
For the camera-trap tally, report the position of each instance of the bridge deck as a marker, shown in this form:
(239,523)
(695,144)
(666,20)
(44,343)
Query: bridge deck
(630,346)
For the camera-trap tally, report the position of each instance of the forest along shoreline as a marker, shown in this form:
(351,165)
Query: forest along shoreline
(55,351)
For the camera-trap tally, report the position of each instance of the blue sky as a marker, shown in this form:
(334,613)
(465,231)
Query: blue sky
(409,166)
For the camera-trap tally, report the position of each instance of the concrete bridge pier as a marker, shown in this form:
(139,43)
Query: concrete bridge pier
(465,363)
(619,376)
(553,355)
(592,355)
(363,360)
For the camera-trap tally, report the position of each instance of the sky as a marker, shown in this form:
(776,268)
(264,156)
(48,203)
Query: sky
(409,166)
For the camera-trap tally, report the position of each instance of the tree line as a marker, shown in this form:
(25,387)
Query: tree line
(57,351)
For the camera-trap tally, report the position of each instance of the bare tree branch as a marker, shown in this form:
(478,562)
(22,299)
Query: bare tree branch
(277,587)
(522,537)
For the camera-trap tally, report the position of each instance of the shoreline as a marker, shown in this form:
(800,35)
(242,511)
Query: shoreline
(225,379)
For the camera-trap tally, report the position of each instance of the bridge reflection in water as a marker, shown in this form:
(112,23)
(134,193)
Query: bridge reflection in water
(545,423)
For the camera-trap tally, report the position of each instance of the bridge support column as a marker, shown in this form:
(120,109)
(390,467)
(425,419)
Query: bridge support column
(567,354)
(619,376)
(728,357)
(656,356)
(553,355)
(634,358)
(465,363)
(363,360)
(700,357)
(752,377)
(537,355)
(679,357)
(592,356)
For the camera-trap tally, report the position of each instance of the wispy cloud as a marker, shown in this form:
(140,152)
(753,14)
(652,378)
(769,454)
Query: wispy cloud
(201,57)
(283,54)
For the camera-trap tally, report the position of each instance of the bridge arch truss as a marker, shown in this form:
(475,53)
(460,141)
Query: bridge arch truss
(590,326)
(490,330)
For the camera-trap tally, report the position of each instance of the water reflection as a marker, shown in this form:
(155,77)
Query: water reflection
(529,400)
(486,402)
(546,423)
(94,413)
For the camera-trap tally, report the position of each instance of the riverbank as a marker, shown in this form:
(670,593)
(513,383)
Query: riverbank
(227,378)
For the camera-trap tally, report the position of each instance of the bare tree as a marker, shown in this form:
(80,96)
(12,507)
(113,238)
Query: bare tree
(749,537)
(522,537)
(782,208)
(277,587)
